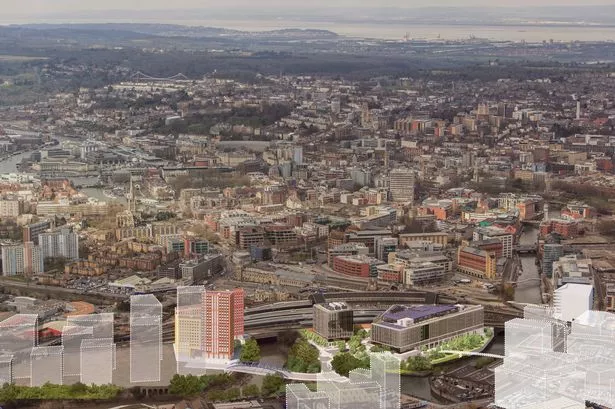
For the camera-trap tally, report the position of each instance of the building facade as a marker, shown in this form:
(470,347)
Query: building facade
(22,259)
(333,320)
(405,328)
(477,263)
(60,243)
(224,317)
(401,185)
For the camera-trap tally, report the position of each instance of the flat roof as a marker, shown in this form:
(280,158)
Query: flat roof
(416,313)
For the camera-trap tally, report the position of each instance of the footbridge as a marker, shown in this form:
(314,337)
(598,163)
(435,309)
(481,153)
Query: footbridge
(258,368)
(470,353)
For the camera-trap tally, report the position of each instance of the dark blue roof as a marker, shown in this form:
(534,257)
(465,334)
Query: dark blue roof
(417,313)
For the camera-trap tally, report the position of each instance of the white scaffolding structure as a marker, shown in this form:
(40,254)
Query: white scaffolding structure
(98,326)
(18,335)
(298,396)
(97,361)
(46,366)
(357,393)
(72,336)
(539,373)
(145,338)
(6,369)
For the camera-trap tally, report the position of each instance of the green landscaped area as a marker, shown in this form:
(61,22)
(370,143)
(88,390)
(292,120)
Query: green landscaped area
(78,391)
(434,357)
(354,354)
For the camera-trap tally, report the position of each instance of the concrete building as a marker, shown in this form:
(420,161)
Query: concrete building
(489,233)
(10,208)
(60,243)
(31,231)
(357,266)
(422,273)
(477,263)
(405,328)
(401,185)
(197,270)
(248,237)
(384,246)
(333,320)
(551,254)
(437,238)
(22,259)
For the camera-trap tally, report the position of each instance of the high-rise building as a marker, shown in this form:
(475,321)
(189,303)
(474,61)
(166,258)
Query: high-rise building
(223,322)
(401,185)
(60,243)
(31,231)
(298,155)
(20,259)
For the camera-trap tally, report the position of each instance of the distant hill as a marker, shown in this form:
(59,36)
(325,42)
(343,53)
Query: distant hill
(173,30)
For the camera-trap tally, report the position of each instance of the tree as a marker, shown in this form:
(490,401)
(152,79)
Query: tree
(272,384)
(418,364)
(288,337)
(250,352)
(303,357)
(186,386)
(251,391)
(345,362)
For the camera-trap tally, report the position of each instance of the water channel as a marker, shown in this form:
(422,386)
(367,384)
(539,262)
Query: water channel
(529,292)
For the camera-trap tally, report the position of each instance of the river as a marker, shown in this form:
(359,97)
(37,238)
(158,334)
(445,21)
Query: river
(529,292)
(392,30)
(9,165)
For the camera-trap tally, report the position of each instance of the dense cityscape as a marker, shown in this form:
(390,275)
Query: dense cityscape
(261,232)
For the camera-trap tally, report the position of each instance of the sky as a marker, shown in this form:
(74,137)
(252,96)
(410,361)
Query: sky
(62,6)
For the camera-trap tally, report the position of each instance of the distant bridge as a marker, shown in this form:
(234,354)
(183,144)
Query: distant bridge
(525,249)
(139,76)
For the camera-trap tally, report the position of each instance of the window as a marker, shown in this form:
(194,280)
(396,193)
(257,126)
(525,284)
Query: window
(425,332)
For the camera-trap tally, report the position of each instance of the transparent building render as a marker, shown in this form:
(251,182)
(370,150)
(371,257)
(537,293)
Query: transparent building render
(384,370)
(298,396)
(6,369)
(46,366)
(97,361)
(145,338)
(348,395)
(189,331)
(535,376)
(94,326)
(18,335)
(72,336)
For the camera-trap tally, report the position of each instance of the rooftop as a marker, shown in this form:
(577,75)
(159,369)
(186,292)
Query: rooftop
(417,312)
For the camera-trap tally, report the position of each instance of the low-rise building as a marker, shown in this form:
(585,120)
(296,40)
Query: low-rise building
(357,266)
(438,238)
(476,262)
(405,328)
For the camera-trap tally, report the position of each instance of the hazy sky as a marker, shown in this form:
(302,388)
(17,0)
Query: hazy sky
(53,6)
